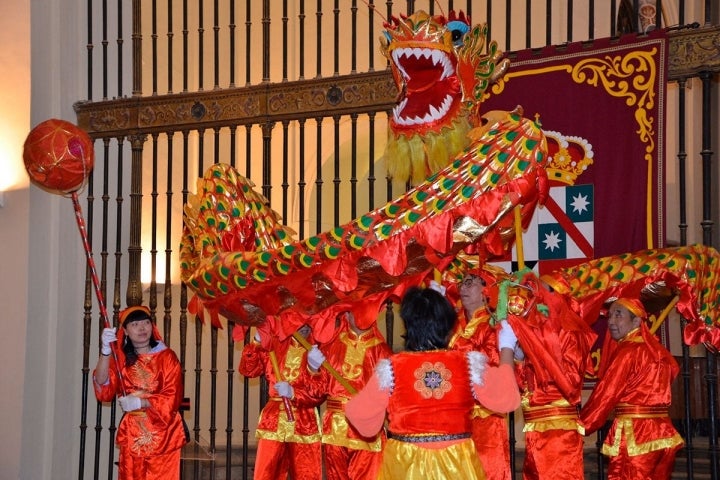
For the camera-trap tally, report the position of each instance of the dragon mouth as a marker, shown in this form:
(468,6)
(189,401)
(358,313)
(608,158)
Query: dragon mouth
(430,89)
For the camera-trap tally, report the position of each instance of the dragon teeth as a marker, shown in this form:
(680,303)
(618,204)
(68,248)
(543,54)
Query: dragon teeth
(438,57)
(435,113)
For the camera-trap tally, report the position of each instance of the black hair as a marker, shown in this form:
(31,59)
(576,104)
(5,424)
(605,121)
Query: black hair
(429,319)
(130,355)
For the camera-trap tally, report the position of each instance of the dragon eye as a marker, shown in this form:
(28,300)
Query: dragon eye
(458,29)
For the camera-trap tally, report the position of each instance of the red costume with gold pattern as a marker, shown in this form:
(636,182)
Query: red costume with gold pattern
(489,429)
(285,446)
(428,397)
(349,455)
(149,439)
(556,345)
(642,441)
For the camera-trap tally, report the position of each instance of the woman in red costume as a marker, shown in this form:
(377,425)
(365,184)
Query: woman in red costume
(353,353)
(635,378)
(151,431)
(285,445)
(428,393)
(477,330)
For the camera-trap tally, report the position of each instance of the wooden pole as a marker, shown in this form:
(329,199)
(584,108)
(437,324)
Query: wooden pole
(519,238)
(659,320)
(327,365)
(286,401)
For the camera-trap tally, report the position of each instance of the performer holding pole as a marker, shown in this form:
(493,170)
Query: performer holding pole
(325,364)
(355,349)
(151,433)
(146,374)
(636,374)
(287,444)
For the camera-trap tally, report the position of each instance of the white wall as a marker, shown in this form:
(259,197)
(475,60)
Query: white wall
(42,257)
(14,233)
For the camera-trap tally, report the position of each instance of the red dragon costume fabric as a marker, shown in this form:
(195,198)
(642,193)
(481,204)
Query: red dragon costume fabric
(242,263)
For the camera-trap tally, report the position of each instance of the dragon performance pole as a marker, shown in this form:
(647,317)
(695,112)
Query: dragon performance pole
(96,283)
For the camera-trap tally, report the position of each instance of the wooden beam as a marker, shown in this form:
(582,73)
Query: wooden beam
(691,51)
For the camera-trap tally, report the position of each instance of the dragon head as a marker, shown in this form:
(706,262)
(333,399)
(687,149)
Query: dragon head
(441,66)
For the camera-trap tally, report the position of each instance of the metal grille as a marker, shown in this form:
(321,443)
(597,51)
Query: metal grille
(295,95)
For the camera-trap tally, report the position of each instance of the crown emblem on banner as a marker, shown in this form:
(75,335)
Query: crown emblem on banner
(568,157)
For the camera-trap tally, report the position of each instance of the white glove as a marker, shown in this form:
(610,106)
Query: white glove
(518,353)
(506,336)
(315,358)
(257,336)
(130,403)
(284,389)
(108,336)
(437,287)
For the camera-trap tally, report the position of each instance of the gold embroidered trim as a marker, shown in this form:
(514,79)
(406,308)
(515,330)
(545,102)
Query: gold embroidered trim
(338,435)
(558,415)
(625,425)
(286,430)
(481,412)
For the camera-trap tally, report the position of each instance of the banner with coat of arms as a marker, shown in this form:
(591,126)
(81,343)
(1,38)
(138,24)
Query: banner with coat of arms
(602,108)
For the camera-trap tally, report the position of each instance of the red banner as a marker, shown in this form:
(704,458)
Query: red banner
(602,106)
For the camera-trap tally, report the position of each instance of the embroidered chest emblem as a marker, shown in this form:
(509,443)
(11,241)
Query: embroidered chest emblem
(433,380)
(142,375)
(292,362)
(354,357)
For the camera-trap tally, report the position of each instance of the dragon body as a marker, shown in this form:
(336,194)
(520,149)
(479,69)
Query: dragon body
(687,277)
(243,264)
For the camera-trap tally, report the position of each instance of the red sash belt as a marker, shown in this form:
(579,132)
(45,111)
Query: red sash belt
(549,413)
(336,404)
(640,411)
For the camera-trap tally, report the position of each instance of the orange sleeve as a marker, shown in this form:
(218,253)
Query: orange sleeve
(107,391)
(499,391)
(366,410)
